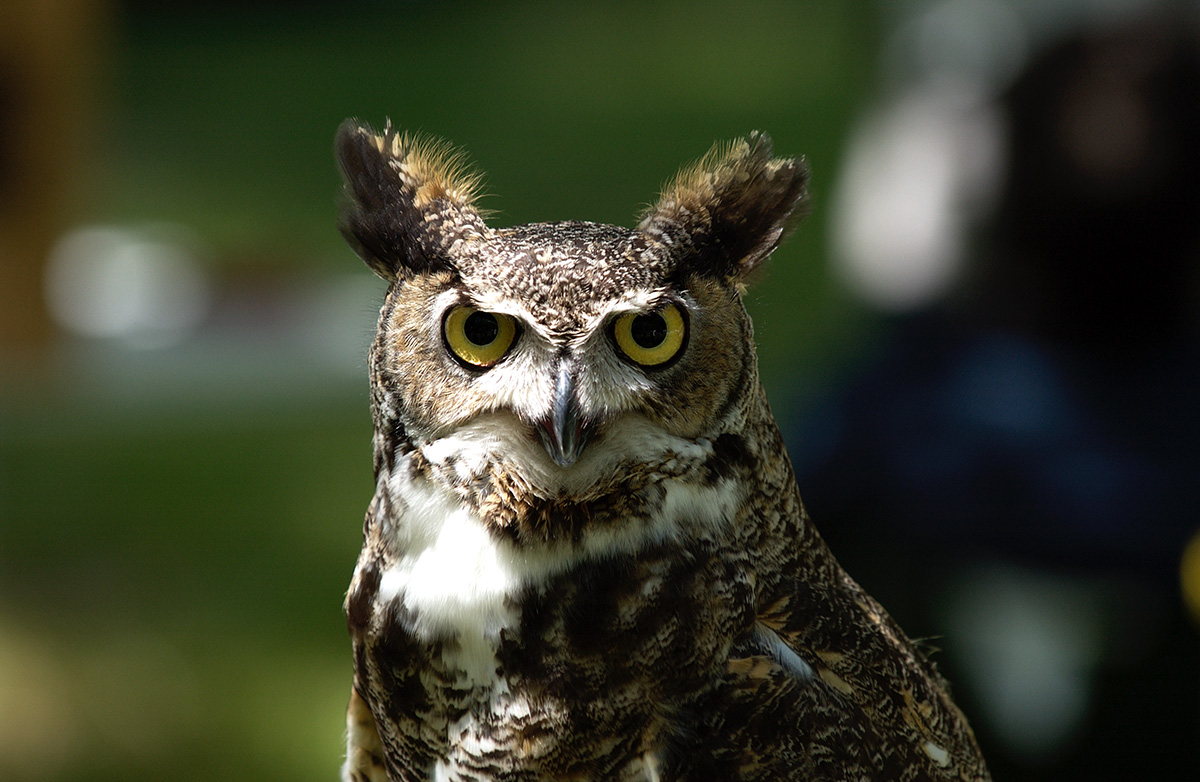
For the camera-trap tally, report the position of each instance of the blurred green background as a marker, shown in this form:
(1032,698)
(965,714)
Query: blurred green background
(178,525)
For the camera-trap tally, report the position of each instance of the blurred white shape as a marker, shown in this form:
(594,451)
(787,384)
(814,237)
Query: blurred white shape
(915,173)
(1028,644)
(140,287)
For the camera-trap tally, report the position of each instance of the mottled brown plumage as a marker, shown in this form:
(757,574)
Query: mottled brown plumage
(586,557)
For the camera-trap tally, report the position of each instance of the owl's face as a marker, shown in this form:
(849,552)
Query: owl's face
(560,350)
(564,348)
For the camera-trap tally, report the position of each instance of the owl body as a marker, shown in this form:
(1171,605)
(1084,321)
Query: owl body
(586,556)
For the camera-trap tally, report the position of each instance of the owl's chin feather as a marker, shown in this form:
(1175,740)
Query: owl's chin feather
(497,466)
(614,499)
(500,444)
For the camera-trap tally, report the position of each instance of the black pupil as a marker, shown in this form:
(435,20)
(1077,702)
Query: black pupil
(481,328)
(648,331)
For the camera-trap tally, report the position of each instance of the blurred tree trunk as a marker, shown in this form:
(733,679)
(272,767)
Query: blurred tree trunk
(49,51)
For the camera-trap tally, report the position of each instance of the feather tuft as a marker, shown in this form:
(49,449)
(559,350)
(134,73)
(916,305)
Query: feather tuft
(409,199)
(728,211)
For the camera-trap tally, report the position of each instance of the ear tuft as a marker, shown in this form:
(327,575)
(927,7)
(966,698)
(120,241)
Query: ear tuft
(408,199)
(726,213)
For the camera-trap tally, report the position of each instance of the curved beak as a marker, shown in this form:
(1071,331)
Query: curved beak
(564,432)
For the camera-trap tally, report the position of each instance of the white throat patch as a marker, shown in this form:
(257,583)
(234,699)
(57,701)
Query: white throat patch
(454,577)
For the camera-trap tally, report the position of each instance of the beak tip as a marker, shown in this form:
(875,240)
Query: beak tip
(563,459)
(563,451)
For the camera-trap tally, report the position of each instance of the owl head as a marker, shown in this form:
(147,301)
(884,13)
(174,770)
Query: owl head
(560,351)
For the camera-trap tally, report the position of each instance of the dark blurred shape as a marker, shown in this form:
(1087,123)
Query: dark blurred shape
(48,53)
(1101,217)
(1017,464)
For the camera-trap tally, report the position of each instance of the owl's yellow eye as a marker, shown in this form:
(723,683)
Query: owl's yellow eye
(479,338)
(651,339)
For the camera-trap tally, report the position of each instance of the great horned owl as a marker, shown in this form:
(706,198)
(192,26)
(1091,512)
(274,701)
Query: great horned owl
(586,557)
